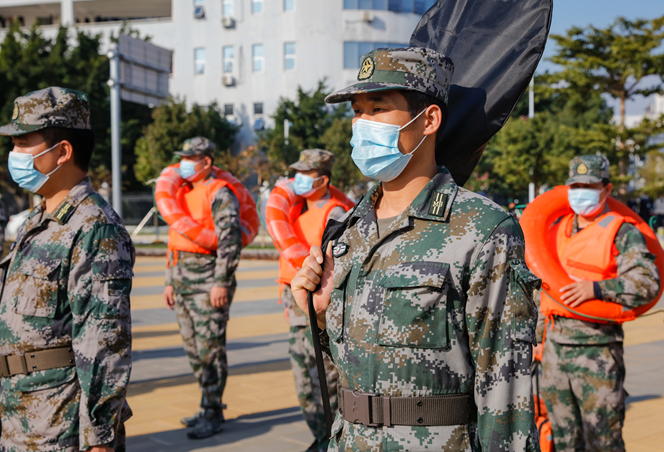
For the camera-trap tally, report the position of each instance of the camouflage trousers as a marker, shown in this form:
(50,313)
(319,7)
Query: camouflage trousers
(303,362)
(46,417)
(582,386)
(203,328)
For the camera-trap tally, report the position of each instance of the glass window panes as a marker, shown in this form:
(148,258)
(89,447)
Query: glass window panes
(228,109)
(400,6)
(199,2)
(366,4)
(256,6)
(199,60)
(227,8)
(258,60)
(258,108)
(354,50)
(289,56)
(289,5)
(228,56)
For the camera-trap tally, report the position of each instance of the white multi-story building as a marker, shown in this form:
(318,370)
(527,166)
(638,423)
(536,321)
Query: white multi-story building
(243,54)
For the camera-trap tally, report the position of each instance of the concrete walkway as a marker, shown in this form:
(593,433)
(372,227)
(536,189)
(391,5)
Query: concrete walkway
(263,413)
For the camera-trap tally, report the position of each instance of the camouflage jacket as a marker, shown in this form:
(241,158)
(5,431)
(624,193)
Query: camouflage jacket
(226,212)
(68,284)
(637,284)
(441,303)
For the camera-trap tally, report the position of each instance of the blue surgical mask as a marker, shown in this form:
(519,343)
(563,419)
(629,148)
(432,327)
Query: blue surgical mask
(376,149)
(188,169)
(304,185)
(23,172)
(584,201)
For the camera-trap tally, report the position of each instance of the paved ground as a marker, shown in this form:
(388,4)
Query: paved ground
(263,413)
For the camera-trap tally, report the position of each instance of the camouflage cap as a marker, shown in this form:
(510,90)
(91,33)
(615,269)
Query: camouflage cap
(196,146)
(50,107)
(412,68)
(314,159)
(588,169)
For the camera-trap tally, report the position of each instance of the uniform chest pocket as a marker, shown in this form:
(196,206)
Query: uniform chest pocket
(415,306)
(36,292)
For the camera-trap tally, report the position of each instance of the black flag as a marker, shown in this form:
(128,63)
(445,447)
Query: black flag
(495,46)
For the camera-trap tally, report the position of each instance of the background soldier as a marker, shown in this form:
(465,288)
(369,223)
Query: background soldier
(65,324)
(314,170)
(200,283)
(4,219)
(584,358)
(426,297)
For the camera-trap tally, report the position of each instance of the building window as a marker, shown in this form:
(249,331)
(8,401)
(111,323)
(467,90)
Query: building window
(289,56)
(228,110)
(256,6)
(353,51)
(227,8)
(199,61)
(258,59)
(289,5)
(228,56)
(258,108)
(198,2)
(399,6)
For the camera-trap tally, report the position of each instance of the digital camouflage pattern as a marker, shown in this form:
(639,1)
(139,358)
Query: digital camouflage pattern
(303,363)
(314,159)
(50,107)
(203,327)
(413,68)
(4,219)
(68,284)
(586,406)
(588,169)
(196,146)
(440,304)
(583,369)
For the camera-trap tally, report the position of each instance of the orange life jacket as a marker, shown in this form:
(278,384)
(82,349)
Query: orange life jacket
(589,255)
(197,203)
(309,228)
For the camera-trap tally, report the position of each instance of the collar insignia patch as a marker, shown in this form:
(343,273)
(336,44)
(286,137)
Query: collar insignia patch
(367,69)
(437,204)
(339,249)
(64,212)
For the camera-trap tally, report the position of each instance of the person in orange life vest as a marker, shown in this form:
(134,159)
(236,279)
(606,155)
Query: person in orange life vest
(200,283)
(583,368)
(309,217)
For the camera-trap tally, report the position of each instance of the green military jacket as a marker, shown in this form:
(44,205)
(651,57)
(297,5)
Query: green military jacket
(67,284)
(440,304)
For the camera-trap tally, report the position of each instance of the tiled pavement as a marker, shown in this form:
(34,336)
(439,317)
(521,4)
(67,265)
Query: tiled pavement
(263,413)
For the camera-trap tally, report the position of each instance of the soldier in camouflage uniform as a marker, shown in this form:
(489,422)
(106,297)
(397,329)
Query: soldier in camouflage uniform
(200,286)
(426,299)
(583,367)
(3,224)
(317,164)
(65,323)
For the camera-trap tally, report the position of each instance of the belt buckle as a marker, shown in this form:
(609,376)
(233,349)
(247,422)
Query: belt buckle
(357,407)
(4,367)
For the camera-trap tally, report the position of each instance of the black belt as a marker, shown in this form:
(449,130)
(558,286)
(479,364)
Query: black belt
(375,410)
(35,361)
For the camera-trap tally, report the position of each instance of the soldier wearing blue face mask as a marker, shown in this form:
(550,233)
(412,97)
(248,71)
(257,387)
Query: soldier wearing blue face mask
(606,255)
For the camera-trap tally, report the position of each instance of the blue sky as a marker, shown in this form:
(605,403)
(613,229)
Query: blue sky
(600,13)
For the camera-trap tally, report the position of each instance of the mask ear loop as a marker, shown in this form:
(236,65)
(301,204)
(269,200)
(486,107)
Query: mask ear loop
(413,120)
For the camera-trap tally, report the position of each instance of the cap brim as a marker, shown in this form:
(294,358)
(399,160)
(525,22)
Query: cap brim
(346,94)
(301,166)
(13,129)
(583,180)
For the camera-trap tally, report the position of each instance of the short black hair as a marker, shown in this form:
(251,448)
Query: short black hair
(605,181)
(82,141)
(418,101)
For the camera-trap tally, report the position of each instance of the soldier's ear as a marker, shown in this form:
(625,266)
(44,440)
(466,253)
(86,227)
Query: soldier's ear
(66,152)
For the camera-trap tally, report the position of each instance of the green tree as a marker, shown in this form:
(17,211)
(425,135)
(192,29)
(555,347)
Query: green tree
(337,140)
(613,61)
(309,116)
(172,124)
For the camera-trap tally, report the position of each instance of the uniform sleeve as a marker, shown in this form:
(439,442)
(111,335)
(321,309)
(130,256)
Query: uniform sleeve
(226,212)
(638,280)
(99,288)
(168,273)
(501,318)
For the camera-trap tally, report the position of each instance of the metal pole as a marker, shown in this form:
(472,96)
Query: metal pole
(531,98)
(116,150)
